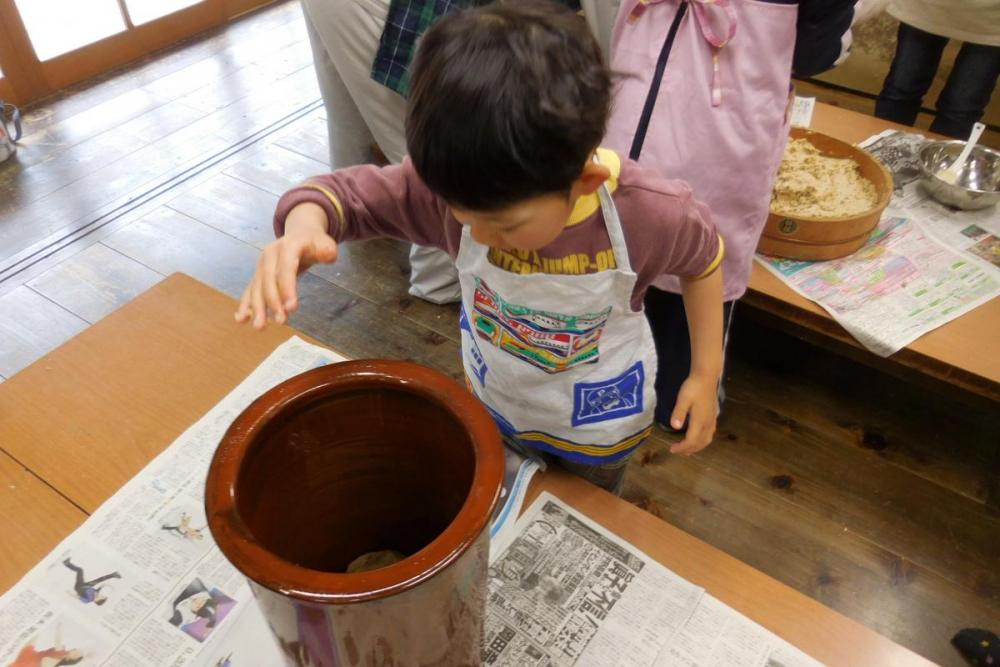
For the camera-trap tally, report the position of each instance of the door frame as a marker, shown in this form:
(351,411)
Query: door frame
(26,79)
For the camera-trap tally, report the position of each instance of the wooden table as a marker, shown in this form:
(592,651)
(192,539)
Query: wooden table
(965,352)
(87,417)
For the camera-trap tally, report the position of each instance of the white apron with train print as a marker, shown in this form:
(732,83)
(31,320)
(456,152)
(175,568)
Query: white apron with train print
(563,362)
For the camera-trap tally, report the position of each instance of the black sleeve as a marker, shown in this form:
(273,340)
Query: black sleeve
(818,33)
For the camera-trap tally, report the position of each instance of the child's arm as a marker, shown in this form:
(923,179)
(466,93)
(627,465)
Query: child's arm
(698,397)
(355,203)
(670,233)
(273,286)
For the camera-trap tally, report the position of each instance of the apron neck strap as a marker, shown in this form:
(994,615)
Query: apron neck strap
(614,226)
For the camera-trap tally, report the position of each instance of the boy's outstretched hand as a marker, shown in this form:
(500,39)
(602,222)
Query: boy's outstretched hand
(697,402)
(273,286)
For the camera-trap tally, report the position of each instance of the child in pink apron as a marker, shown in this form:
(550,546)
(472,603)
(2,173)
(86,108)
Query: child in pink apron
(555,239)
(702,97)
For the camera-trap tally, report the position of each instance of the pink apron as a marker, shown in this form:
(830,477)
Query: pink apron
(718,119)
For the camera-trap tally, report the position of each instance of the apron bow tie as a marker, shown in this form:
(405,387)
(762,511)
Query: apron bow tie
(716,20)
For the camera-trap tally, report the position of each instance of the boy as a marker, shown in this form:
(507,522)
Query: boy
(555,239)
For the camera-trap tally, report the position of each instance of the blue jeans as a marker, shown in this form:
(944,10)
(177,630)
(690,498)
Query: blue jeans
(965,94)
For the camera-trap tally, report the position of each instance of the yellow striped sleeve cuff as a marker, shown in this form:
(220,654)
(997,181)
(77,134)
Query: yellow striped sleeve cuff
(715,262)
(333,200)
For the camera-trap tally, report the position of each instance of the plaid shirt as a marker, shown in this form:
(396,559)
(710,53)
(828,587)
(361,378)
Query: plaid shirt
(407,20)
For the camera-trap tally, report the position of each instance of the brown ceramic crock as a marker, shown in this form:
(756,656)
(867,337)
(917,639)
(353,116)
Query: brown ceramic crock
(352,458)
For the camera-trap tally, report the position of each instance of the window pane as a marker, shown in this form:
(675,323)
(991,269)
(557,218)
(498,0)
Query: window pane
(58,26)
(144,11)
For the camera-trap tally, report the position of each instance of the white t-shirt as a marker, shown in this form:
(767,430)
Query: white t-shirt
(976,21)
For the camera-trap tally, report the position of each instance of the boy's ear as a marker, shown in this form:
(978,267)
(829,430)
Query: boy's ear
(592,177)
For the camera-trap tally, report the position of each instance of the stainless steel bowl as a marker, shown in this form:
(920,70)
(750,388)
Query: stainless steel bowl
(978,185)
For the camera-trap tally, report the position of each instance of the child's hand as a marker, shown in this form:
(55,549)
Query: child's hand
(697,402)
(273,286)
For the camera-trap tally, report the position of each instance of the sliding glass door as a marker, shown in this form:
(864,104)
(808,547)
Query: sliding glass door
(46,45)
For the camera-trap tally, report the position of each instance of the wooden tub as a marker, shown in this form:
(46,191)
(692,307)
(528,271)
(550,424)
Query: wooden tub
(809,238)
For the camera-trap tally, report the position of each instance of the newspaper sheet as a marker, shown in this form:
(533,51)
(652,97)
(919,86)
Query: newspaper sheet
(802,111)
(897,287)
(717,635)
(565,591)
(975,233)
(141,582)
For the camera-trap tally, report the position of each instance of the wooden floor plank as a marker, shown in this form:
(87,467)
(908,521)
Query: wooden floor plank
(309,140)
(21,184)
(167,241)
(254,113)
(930,432)
(224,45)
(63,208)
(68,206)
(74,204)
(48,143)
(30,326)
(95,282)
(360,329)
(232,206)
(814,555)
(159,123)
(379,270)
(900,512)
(276,169)
(218,92)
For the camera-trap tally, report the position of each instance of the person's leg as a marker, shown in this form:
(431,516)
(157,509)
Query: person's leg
(349,138)
(350,31)
(100,580)
(918,54)
(433,276)
(668,320)
(608,476)
(79,583)
(968,89)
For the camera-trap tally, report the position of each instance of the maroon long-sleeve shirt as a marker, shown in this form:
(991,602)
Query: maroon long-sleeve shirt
(666,231)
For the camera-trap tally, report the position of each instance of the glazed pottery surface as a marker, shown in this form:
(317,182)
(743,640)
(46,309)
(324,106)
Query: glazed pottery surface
(353,458)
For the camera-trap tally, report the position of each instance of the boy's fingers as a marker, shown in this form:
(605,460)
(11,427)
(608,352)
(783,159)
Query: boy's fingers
(270,288)
(691,443)
(698,436)
(680,412)
(288,271)
(243,309)
(257,303)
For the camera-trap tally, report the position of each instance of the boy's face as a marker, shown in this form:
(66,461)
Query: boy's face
(527,225)
(533,223)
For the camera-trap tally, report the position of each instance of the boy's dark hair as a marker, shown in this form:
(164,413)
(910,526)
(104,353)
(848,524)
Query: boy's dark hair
(507,102)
